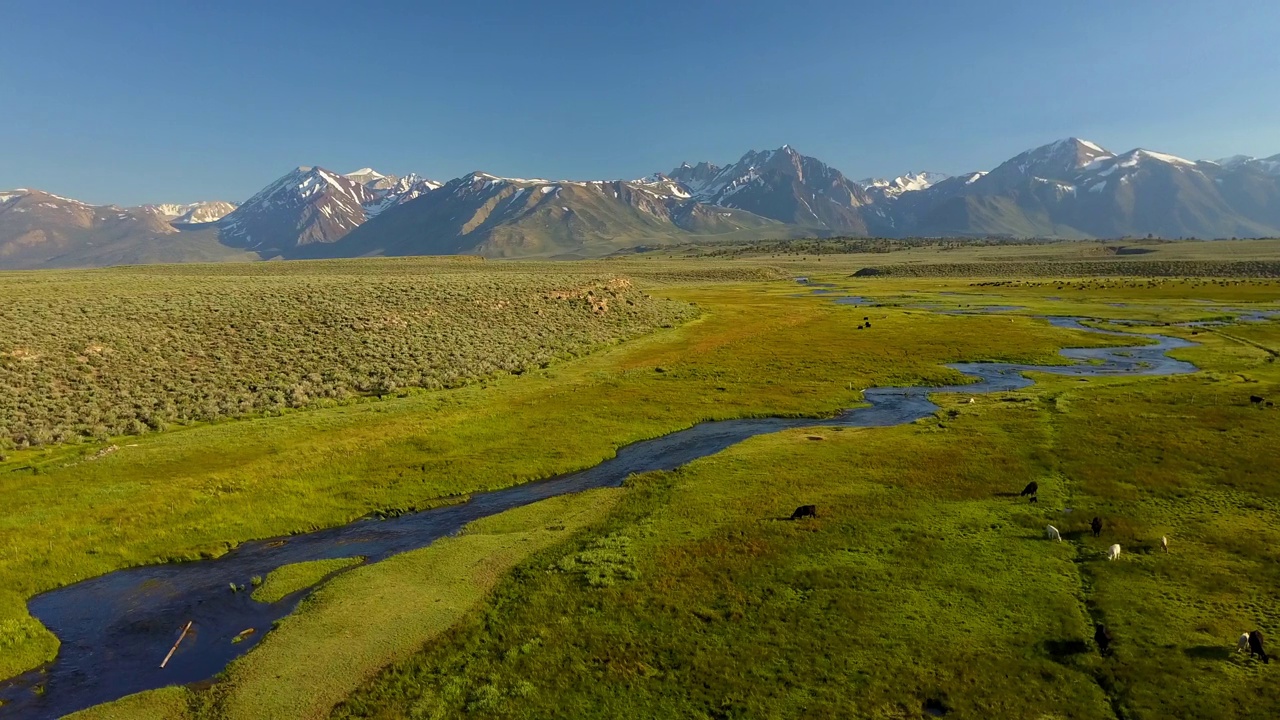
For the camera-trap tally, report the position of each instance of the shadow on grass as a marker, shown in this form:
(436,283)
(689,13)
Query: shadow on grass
(1063,651)
(1208,652)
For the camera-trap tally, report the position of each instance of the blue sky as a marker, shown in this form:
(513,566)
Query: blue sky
(130,101)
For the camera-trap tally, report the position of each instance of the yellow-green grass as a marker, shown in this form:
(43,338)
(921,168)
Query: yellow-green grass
(171,703)
(198,491)
(921,580)
(286,580)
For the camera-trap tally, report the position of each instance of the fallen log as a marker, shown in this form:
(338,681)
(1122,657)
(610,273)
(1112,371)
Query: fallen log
(174,649)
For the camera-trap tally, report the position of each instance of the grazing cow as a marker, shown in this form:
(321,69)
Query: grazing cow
(1031,489)
(1096,525)
(1255,399)
(1164,543)
(1052,533)
(1255,646)
(1102,636)
(1113,552)
(805,511)
(1242,645)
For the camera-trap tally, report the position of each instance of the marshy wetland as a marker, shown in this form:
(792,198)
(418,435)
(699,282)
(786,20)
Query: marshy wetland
(671,584)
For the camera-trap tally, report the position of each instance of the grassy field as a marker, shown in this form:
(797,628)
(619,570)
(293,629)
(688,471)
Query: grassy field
(685,594)
(197,491)
(286,580)
(921,586)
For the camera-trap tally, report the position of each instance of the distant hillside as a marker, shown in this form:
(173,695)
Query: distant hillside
(38,229)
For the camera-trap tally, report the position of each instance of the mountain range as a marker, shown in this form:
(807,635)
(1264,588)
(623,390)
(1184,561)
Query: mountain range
(1071,188)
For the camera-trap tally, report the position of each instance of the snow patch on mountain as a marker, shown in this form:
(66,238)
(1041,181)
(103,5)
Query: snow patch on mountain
(910,182)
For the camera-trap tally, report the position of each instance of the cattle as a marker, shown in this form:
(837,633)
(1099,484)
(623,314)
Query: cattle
(1031,489)
(805,511)
(972,400)
(1255,646)
(1096,526)
(1242,645)
(1052,533)
(1113,552)
(1255,399)
(1102,636)
(1164,543)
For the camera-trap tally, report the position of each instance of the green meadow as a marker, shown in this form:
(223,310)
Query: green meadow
(921,588)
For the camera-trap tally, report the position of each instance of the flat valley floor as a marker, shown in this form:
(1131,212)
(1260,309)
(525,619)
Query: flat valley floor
(924,587)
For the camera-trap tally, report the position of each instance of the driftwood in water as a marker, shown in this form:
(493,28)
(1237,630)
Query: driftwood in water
(174,649)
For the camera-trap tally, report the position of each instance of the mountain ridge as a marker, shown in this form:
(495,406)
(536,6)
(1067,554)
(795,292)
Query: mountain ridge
(1069,188)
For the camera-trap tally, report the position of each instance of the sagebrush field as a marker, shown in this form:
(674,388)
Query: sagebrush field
(91,355)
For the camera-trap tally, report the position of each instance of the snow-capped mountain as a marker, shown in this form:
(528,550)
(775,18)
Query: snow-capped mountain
(1269,166)
(398,190)
(371,178)
(911,182)
(781,185)
(315,205)
(1055,162)
(1075,188)
(393,184)
(40,229)
(192,213)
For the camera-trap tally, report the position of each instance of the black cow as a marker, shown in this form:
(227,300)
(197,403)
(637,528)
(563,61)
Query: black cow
(1102,636)
(805,511)
(1255,646)
(1096,525)
(1256,399)
(1031,489)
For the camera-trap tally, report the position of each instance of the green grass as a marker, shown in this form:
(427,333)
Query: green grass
(919,581)
(24,642)
(939,592)
(691,596)
(171,703)
(197,491)
(285,581)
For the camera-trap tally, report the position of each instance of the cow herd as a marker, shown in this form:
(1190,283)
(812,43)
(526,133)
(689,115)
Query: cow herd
(1250,642)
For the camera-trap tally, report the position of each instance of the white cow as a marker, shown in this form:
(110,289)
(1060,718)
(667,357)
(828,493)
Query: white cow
(1113,552)
(1052,533)
(1242,645)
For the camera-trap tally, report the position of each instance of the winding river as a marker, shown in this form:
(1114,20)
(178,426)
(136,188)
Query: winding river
(116,628)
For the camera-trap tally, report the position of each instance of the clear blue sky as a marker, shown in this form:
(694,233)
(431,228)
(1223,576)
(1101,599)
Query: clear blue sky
(132,101)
